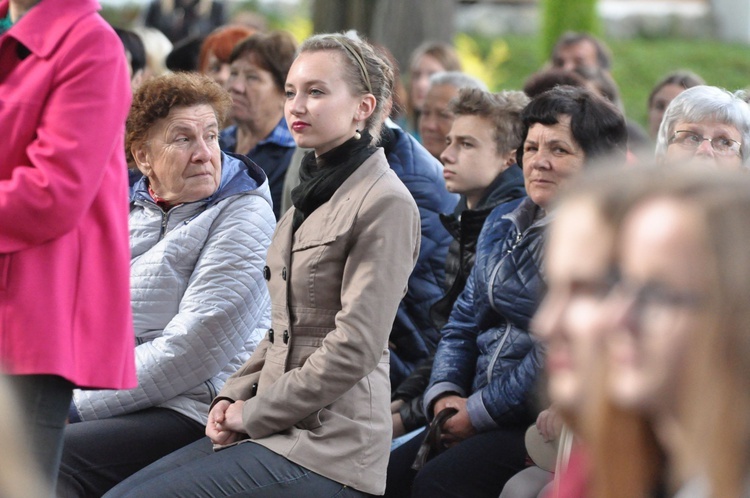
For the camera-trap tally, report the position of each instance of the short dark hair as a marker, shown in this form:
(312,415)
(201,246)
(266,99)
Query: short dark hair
(597,126)
(274,52)
(134,46)
(603,55)
(541,81)
(683,78)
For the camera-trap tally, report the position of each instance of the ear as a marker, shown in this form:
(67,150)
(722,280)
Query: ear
(366,107)
(141,156)
(510,159)
(137,79)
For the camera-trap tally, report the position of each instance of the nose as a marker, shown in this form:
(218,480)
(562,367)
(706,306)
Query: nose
(427,122)
(540,160)
(448,156)
(295,105)
(705,149)
(233,83)
(548,319)
(223,75)
(622,310)
(202,152)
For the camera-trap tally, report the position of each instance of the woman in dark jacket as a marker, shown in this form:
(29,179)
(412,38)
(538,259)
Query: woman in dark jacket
(487,363)
(258,69)
(480,164)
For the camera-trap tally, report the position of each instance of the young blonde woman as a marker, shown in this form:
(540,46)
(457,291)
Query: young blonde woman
(579,259)
(309,413)
(673,324)
(678,343)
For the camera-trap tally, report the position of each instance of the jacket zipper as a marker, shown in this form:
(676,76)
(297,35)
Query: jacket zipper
(491,286)
(496,354)
(164,222)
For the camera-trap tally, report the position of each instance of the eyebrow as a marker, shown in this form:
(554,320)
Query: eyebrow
(720,131)
(309,83)
(471,138)
(557,141)
(181,128)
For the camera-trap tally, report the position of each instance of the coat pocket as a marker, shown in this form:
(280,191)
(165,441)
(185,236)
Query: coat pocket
(310,422)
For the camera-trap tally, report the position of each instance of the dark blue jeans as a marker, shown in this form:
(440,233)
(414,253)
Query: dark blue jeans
(99,454)
(43,402)
(246,469)
(477,467)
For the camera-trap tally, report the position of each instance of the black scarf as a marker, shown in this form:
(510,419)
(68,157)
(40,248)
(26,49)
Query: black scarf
(321,176)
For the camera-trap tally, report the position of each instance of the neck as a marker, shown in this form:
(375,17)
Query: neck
(246,139)
(472,200)
(248,135)
(671,438)
(17,8)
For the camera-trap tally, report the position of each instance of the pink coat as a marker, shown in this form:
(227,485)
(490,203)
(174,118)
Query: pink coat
(64,253)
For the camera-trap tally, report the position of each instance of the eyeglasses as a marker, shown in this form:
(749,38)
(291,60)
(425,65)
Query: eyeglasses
(653,304)
(689,140)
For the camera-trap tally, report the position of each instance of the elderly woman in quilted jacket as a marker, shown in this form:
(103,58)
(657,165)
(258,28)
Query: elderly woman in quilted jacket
(487,363)
(200,225)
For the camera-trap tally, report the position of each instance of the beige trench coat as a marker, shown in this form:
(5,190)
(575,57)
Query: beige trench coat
(317,387)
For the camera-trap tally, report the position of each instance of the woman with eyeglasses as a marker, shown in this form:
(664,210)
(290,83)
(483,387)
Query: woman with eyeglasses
(706,125)
(579,258)
(678,329)
(650,359)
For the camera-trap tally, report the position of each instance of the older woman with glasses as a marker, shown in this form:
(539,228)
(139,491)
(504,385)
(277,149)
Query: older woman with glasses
(707,125)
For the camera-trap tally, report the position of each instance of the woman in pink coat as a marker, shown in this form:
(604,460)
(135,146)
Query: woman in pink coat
(64,260)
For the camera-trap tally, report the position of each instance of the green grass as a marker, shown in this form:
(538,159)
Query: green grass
(639,64)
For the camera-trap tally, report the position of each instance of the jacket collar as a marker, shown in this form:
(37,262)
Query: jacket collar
(508,185)
(337,215)
(524,216)
(41,29)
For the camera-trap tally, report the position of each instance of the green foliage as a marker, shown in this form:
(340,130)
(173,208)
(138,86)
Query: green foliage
(125,16)
(559,16)
(638,65)
(482,58)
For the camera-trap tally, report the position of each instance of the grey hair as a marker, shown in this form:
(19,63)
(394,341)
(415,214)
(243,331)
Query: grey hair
(365,71)
(457,79)
(706,103)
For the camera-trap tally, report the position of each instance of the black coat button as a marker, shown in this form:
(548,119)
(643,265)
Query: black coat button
(266,273)
(286,337)
(283,273)
(270,335)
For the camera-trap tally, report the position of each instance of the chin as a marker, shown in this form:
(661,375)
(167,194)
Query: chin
(630,393)
(566,392)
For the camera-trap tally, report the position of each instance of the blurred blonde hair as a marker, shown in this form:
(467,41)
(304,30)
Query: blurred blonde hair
(714,407)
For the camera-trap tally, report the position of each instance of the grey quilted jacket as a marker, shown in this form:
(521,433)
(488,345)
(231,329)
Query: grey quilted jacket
(200,302)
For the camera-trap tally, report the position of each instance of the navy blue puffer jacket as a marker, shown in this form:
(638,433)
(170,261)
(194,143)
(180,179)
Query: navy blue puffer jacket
(414,335)
(486,352)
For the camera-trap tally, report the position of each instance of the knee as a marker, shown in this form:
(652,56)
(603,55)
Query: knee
(68,486)
(433,481)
